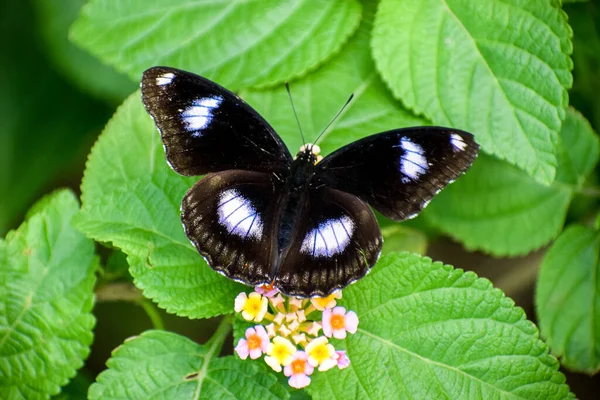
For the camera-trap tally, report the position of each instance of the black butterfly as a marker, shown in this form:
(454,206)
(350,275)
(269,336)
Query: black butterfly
(260,216)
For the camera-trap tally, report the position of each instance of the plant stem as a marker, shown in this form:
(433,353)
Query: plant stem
(152,313)
(217,339)
(118,291)
(589,191)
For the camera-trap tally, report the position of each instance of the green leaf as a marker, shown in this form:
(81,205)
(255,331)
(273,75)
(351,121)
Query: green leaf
(47,279)
(320,95)
(131,198)
(501,210)
(84,70)
(45,122)
(159,365)
(428,331)
(399,238)
(578,153)
(568,299)
(498,69)
(238,44)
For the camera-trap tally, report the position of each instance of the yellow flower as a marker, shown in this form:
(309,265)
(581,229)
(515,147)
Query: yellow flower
(253,307)
(321,353)
(280,352)
(321,303)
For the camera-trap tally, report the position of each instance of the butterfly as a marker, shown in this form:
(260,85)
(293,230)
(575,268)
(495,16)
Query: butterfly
(303,224)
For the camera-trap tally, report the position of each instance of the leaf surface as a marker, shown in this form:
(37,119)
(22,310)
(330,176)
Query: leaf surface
(501,210)
(235,43)
(164,365)
(428,331)
(46,280)
(499,69)
(568,299)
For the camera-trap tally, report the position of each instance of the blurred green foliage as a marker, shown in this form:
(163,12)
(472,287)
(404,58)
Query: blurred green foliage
(48,125)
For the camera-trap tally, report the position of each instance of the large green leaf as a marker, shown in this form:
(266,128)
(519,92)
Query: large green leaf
(45,122)
(320,95)
(46,284)
(500,209)
(496,68)
(238,44)
(428,331)
(568,299)
(87,72)
(131,197)
(164,365)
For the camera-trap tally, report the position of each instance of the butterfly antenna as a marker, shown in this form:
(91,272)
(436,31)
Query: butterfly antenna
(287,86)
(334,118)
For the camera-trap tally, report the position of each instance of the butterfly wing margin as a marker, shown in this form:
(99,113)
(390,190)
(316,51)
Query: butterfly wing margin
(230,217)
(398,172)
(336,240)
(206,128)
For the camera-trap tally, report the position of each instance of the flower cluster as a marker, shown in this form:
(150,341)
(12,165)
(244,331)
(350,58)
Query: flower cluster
(288,332)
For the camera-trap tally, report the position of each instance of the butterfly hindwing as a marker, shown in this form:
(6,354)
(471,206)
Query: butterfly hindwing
(206,128)
(335,241)
(230,217)
(398,172)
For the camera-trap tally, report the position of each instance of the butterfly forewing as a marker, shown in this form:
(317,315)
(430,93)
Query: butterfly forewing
(398,172)
(230,217)
(335,241)
(206,128)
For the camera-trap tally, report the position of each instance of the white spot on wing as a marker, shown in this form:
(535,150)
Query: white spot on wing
(238,215)
(329,238)
(457,142)
(412,162)
(200,113)
(165,79)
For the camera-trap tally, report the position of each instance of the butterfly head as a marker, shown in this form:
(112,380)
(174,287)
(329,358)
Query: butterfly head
(309,152)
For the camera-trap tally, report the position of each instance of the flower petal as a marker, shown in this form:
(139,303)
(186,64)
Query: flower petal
(327,323)
(240,300)
(351,322)
(242,349)
(299,381)
(273,363)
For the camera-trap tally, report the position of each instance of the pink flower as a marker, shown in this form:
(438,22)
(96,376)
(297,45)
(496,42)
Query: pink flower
(336,322)
(266,290)
(298,370)
(342,359)
(255,344)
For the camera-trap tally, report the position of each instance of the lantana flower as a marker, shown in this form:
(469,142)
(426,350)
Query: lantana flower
(298,370)
(253,307)
(322,303)
(280,352)
(255,344)
(266,290)
(321,353)
(288,332)
(342,359)
(336,322)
